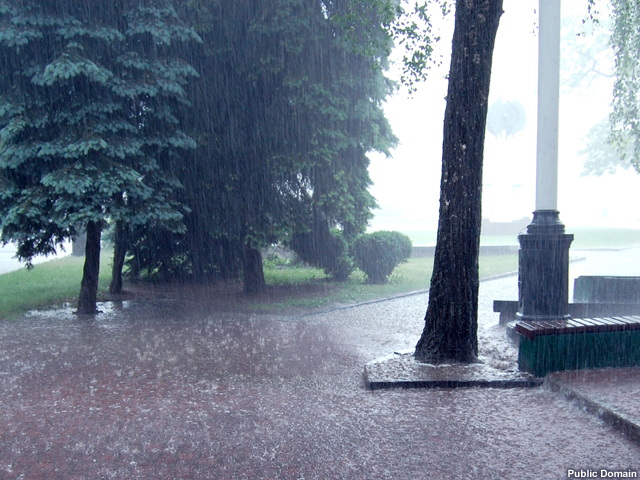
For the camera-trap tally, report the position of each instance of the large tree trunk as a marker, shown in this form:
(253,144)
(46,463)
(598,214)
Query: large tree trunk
(253,273)
(119,254)
(89,286)
(451,322)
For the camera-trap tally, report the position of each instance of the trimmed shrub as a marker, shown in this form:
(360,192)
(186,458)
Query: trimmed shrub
(378,253)
(326,249)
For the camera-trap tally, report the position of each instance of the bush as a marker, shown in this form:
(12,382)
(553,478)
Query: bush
(339,264)
(324,248)
(378,253)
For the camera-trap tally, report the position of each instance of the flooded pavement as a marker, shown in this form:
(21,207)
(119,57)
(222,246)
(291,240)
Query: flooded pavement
(170,389)
(611,394)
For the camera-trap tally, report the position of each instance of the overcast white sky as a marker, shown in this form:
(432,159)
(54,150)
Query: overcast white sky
(407,185)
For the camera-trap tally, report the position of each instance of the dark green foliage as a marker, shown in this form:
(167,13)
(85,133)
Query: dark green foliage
(625,39)
(88,103)
(285,111)
(326,249)
(378,253)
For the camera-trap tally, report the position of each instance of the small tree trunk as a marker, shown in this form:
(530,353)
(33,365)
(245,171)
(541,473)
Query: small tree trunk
(89,286)
(253,273)
(451,322)
(119,254)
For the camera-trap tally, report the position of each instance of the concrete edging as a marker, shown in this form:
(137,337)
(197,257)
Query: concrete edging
(608,414)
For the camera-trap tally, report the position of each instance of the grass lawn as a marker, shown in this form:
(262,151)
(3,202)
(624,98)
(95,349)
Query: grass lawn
(593,238)
(584,238)
(58,281)
(411,276)
(50,283)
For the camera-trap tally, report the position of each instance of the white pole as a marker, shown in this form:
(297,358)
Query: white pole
(548,105)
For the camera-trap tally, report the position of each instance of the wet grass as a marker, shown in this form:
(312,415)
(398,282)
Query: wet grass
(414,275)
(407,277)
(52,283)
(430,237)
(595,238)
(58,281)
(584,238)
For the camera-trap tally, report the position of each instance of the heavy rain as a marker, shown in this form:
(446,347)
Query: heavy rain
(221,224)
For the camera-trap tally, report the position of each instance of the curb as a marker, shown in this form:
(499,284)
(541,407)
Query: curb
(400,370)
(450,384)
(362,304)
(608,414)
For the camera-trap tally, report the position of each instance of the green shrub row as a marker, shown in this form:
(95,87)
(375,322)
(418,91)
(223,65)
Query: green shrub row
(376,254)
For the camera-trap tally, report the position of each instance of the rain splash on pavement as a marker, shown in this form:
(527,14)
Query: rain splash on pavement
(169,389)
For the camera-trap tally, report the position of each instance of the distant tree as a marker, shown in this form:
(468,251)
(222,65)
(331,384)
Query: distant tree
(451,321)
(601,155)
(331,195)
(608,45)
(587,57)
(89,132)
(586,52)
(625,118)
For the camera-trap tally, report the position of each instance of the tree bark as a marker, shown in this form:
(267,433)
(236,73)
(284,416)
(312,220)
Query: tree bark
(252,271)
(89,286)
(451,321)
(119,254)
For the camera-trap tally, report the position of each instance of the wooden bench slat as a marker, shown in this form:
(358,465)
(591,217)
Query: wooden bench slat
(525,329)
(564,326)
(630,323)
(611,321)
(634,321)
(604,325)
(622,325)
(574,324)
(613,325)
(547,327)
(533,328)
(588,326)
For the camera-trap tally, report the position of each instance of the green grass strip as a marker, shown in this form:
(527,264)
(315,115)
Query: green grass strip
(414,275)
(584,238)
(48,284)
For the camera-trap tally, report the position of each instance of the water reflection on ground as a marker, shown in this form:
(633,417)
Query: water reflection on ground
(171,388)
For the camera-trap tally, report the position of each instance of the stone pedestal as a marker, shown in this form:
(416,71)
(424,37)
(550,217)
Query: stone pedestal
(543,279)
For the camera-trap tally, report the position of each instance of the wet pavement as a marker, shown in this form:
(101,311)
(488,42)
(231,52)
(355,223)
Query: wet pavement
(169,388)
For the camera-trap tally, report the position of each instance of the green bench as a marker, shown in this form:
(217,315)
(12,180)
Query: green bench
(576,343)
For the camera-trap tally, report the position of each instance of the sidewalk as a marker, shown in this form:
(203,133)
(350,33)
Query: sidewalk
(613,395)
(169,389)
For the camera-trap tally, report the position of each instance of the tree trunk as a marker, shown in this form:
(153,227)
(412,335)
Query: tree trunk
(89,286)
(119,254)
(451,322)
(252,271)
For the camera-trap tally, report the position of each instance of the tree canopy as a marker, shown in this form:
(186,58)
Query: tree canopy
(625,40)
(89,133)
(288,104)
(610,47)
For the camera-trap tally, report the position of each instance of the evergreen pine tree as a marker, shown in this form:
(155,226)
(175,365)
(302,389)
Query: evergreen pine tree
(88,125)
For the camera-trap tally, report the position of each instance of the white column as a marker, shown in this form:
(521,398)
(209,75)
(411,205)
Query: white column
(548,105)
